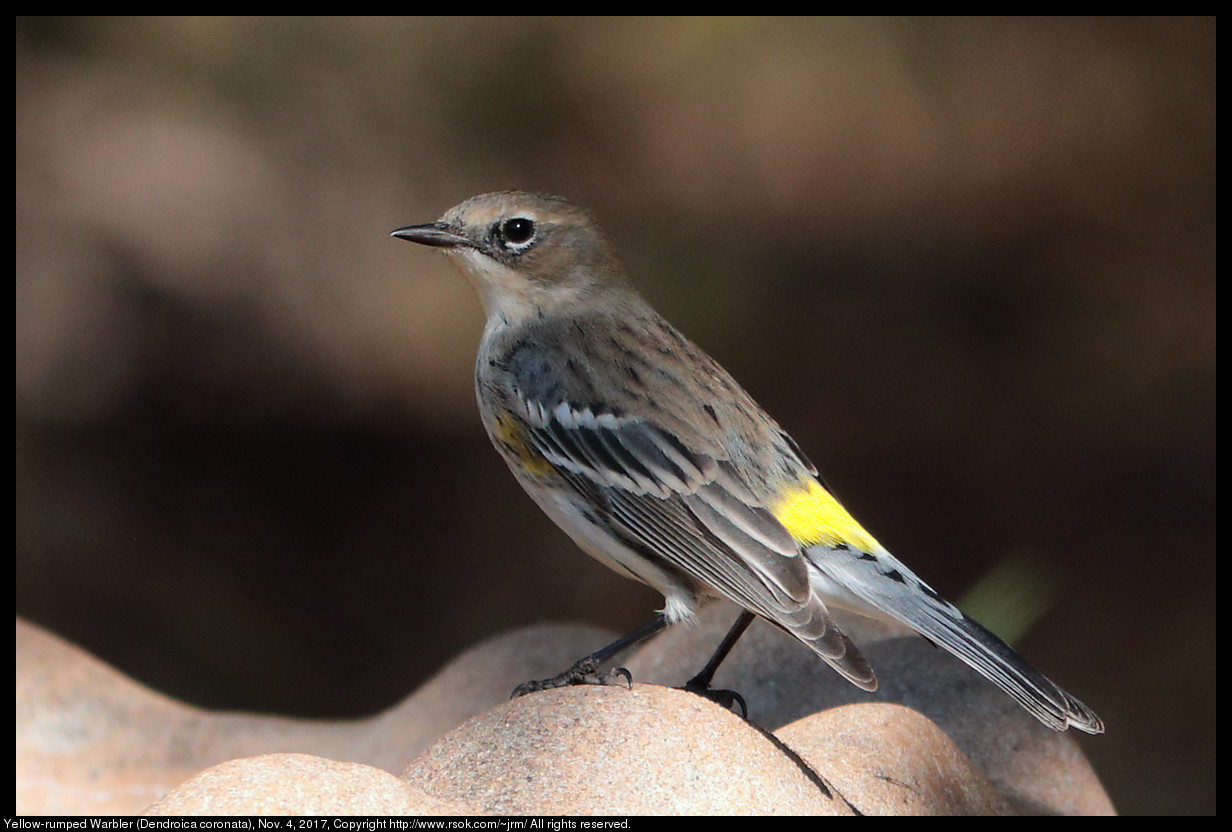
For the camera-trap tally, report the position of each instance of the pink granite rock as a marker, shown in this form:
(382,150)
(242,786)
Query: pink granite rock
(891,760)
(608,750)
(91,741)
(298,784)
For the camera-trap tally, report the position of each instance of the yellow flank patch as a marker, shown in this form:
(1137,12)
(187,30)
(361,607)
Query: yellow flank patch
(510,436)
(813,516)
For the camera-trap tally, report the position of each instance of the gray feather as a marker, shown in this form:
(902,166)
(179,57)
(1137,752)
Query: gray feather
(891,589)
(688,510)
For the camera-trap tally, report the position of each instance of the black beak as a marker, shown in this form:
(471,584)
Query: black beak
(431,234)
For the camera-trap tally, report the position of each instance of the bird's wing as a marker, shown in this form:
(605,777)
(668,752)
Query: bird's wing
(692,511)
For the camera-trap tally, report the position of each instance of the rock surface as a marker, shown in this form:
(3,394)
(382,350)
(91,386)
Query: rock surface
(934,739)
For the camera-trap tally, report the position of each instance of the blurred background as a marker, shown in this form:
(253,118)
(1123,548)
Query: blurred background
(968,264)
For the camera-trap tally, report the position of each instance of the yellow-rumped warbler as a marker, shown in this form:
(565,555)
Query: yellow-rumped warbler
(651,457)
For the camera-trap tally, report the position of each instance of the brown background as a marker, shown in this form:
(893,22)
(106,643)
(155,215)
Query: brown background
(969,264)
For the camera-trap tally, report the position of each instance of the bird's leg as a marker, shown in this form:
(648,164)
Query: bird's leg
(585,671)
(700,684)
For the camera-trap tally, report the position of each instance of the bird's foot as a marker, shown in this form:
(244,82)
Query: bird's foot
(724,698)
(584,672)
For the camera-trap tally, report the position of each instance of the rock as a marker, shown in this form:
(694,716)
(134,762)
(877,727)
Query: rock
(91,741)
(297,784)
(609,750)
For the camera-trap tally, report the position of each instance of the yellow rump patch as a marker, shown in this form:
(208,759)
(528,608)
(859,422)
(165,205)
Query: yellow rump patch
(813,516)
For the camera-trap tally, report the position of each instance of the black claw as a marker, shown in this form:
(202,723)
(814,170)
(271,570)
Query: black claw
(723,698)
(527,687)
(616,672)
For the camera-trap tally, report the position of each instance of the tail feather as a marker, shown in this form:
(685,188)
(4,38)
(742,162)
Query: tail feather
(877,584)
(991,657)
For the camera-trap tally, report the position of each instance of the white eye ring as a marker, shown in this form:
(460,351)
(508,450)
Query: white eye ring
(518,233)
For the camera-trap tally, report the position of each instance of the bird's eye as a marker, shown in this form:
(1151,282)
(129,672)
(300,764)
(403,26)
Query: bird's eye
(518,232)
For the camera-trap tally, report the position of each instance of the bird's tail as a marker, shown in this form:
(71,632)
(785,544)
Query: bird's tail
(879,585)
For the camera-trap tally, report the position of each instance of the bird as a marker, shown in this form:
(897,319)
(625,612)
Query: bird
(650,456)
